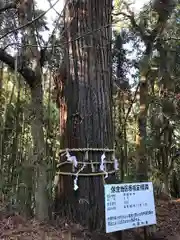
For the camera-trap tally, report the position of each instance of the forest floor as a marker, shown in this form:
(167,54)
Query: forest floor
(16,227)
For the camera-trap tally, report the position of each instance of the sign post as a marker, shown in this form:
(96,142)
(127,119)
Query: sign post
(129,205)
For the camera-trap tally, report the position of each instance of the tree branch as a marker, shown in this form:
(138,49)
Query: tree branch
(148,39)
(7,7)
(30,22)
(134,24)
(26,72)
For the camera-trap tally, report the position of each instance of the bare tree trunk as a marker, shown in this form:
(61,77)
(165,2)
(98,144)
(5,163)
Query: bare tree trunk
(142,164)
(41,203)
(166,187)
(32,56)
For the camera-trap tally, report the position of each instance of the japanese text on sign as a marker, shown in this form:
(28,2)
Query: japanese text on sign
(129,206)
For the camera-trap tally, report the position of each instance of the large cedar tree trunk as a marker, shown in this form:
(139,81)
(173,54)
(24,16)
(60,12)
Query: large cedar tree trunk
(87,91)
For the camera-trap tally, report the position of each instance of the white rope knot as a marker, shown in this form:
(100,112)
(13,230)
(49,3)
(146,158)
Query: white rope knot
(102,166)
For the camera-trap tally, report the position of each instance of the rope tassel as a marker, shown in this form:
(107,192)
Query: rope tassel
(72,159)
(76,179)
(75,184)
(102,166)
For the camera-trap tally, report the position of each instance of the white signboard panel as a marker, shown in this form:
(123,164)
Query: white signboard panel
(129,205)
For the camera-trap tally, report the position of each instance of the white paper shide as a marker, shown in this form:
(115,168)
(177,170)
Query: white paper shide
(129,206)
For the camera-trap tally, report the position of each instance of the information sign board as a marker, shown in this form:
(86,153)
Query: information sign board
(129,205)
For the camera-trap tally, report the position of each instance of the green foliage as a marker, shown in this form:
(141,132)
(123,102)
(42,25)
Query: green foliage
(16,148)
(162,127)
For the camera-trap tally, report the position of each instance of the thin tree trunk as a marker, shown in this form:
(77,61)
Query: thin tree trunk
(32,56)
(142,164)
(166,187)
(41,204)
